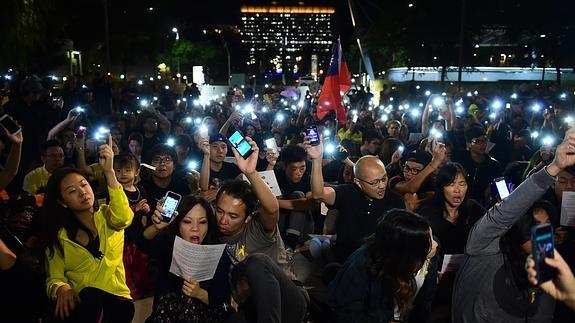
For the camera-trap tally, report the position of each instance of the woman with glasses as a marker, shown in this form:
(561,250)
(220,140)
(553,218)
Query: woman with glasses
(416,180)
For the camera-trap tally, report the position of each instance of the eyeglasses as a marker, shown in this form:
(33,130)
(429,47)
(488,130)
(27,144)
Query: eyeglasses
(414,171)
(160,160)
(382,180)
(479,141)
(54,155)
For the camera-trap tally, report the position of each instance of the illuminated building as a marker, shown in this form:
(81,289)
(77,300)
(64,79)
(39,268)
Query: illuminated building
(287,40)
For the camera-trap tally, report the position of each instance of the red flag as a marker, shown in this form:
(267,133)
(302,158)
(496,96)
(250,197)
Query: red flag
(337,82)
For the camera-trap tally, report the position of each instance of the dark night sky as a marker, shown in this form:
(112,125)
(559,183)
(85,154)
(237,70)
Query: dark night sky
(84,19)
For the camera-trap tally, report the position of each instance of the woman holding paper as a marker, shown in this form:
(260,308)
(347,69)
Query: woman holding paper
(451,214)
(185,299)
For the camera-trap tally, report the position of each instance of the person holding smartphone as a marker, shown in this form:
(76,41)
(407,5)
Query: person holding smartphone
(262,282)
(491,285)
(85,275)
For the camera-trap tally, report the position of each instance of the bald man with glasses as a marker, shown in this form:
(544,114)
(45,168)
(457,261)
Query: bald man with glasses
(359,204)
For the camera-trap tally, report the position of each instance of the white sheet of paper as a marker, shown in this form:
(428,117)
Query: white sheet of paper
(196,261)
(452,260)
(323,208)
(568,209)
(490,146)
(270,178)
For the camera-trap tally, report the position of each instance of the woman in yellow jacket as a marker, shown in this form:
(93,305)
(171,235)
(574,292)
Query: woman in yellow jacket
(84,245)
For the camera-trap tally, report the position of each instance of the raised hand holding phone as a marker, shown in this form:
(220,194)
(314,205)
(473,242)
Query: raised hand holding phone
(247,165)
(106,154)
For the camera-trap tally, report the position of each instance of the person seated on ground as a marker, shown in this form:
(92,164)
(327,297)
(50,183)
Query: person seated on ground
(52,155)
(392,127)
(350,132)
(371,143)
(491,284)
(359,204)
(415,184)
(84,244)
(392,277)
(481,168)
(153,134)
(163,178)
(135,144)
(220,169)
(20,231)
(185,299)
(127,169)
(451,215)
(295,202)
(263,283)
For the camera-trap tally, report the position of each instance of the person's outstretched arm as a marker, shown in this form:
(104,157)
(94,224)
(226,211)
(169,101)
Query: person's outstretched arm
(70,119)
(318,191)
(269,207)
(205,171)
(13,161)
(485,234)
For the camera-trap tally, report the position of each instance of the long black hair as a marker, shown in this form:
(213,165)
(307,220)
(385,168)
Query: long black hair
(397,250)
(447,175)
(55,216)
(186,204)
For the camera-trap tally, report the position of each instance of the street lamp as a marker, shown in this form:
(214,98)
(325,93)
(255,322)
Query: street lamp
(175,30)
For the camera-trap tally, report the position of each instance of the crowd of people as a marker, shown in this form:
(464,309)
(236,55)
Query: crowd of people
(367,226)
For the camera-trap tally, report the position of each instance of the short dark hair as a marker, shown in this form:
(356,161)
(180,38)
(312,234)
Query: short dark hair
(126,159)
(370,135)
(162,149)
(242,190)
(293,154)
(137,137)
(50,143)
(184,140)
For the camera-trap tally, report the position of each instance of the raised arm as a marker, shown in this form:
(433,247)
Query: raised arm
(413,185)
(205,172)
(120,214)
(425,116)
(13,160)
(81,161)
(484,237)
(165,124)
(70,119)
(234,119)
(318,191)
(269,208)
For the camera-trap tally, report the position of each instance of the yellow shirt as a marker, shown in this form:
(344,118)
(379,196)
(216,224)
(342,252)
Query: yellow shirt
(77,267)
(346,134)
(35,180)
